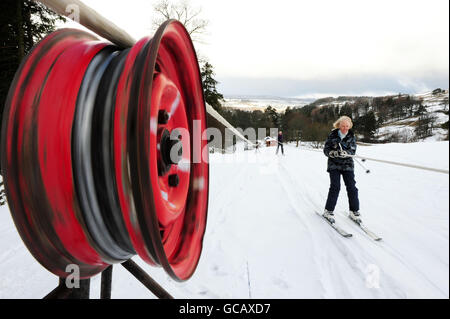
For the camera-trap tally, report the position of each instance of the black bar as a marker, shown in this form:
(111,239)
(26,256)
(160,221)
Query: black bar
(83,291)
(146,280)
(105,292)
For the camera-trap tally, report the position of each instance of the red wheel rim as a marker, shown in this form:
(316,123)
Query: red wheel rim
(133,101)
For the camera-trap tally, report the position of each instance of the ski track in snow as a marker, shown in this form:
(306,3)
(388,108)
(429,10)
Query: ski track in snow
(263,233)
(329,247)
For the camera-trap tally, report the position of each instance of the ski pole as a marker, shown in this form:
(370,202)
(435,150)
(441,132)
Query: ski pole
(365,168)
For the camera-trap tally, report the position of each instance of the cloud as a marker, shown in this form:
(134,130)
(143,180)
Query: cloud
(295,48)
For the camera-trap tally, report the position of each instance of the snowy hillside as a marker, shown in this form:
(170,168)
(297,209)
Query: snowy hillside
(436,106)
(263,239)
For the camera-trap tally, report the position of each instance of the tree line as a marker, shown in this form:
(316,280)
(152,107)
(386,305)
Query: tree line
(314,121)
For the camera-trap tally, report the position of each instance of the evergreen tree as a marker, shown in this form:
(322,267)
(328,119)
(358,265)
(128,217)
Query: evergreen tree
(346,110)
(260,120)
(445,126)
(212,96)
(273,115)
(367,126)
(288,132)
(421,110)
(424,125)
(23,24)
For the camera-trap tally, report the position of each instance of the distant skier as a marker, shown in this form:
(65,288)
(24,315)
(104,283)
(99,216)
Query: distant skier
(280,142)
(257,147)
(340,143)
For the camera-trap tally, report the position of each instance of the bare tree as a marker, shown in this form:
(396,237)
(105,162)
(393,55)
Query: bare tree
(183,12)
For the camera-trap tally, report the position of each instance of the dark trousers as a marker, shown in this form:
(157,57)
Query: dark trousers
(335,187)
(282,149)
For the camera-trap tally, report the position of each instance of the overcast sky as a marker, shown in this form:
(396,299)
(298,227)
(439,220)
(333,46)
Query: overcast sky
(314,48)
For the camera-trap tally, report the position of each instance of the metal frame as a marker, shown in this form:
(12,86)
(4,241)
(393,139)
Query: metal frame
(83,292)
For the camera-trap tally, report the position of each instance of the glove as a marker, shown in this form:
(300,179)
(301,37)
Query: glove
(343,154)
(333,154)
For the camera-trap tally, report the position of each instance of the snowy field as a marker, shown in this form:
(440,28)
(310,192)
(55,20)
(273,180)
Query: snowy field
(250,103)
(263,239)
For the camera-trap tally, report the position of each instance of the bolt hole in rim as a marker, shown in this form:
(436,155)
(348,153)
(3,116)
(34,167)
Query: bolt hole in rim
(80,152)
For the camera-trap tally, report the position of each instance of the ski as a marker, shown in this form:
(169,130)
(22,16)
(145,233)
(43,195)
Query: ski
(366,230)
(335,227)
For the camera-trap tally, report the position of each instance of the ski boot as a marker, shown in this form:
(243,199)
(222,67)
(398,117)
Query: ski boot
(328,215)
(355,216)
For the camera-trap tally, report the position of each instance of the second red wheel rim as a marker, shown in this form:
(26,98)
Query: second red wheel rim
(166,218)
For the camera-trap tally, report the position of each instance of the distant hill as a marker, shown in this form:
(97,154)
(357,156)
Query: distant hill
(390,118)
(252,103)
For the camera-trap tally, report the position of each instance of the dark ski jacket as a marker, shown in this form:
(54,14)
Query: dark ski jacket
(348,144)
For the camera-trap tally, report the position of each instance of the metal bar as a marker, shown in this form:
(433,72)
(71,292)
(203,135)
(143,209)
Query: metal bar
(105,292)
(402,164)
(63,292)
(210,110)
(60,292)
(82,292)
(437,170)
(91,19)
(146,280)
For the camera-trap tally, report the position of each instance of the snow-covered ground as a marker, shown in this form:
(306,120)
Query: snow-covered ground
(263,239)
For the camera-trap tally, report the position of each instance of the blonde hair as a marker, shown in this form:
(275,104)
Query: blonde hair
(343,118)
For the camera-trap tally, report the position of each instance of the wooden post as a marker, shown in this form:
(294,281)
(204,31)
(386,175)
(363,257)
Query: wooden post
(92,20)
